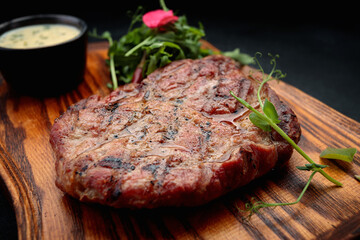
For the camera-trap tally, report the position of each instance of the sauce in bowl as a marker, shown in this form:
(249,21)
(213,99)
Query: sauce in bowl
(37,36)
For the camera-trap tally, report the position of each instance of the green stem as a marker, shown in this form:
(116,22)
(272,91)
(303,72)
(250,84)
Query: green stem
(290,203)
(269,77)
(299,150)
(112,71)
(259,90)
(163,6)
(287,138)
(144,42)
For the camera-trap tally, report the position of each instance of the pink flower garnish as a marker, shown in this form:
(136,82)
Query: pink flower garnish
(159,18)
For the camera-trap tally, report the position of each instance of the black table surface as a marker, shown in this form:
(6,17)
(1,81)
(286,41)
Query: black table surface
(319,46)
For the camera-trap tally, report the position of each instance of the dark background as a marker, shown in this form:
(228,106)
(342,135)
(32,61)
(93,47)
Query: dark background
(318,44)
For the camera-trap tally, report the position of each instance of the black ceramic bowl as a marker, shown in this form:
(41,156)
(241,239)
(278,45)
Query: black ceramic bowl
(46,70)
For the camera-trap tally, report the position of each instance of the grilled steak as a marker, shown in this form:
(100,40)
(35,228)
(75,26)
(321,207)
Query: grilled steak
(176,139)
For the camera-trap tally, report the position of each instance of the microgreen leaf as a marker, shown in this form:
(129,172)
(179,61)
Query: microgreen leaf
(270,111)
(259,122)
(357,177)
(240,57)
(315,165)
(344,154)
(312,167)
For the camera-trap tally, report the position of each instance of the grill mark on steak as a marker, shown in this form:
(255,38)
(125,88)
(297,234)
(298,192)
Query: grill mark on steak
(112,107)
(177,138)
(116,163)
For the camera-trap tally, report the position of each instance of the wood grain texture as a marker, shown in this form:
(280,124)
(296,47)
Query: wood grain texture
(44,212)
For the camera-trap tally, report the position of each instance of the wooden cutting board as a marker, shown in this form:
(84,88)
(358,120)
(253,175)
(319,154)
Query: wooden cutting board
(43,211)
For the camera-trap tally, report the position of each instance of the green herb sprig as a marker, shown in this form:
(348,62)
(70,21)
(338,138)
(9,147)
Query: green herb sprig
(268,120)
(146,49)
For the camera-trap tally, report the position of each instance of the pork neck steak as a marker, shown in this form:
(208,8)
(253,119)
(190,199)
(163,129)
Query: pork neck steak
(176,139)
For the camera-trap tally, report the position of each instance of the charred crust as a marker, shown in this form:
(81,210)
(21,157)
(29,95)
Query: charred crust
(152,168)
(147,95)
(116,193)
(115,163)
(205,132)
(82,170)
(170,133)
(179,101)
(112,107)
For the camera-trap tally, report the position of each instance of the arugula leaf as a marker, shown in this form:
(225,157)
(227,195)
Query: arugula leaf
(148,49)
(344,154)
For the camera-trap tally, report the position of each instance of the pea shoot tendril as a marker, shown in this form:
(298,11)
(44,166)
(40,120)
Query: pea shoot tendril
(268,120)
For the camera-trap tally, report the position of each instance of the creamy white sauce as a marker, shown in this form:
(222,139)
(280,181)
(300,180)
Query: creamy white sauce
(36,36)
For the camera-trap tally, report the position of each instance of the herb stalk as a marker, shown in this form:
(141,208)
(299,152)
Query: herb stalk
(112,66)
(136,47)
(254,207)
(112,71)
(163,5)
(286,137)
